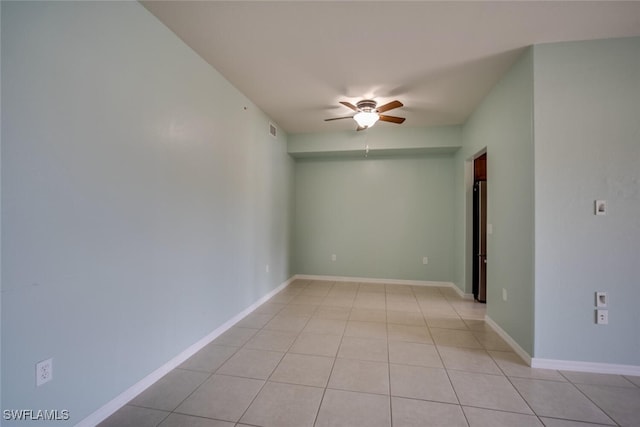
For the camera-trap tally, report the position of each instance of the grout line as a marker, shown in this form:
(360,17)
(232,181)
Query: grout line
(591,400)
(446,370)
(211,374)
(335,358)
(297,290)
(561,382)
(266,380)
(586,423)
(514,386)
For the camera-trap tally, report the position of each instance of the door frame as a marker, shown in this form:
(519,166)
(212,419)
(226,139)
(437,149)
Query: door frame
(469,256)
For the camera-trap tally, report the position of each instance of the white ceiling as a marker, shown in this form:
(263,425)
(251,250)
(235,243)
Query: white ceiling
(296,59)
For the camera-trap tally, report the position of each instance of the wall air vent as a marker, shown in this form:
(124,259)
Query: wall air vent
(273,130)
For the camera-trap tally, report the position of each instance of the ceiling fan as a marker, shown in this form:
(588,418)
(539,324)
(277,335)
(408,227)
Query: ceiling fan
(367,113)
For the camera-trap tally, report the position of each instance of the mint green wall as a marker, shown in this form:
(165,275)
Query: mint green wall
(384,139)
(587,103)
(503,125)
(463,217)
(1,407)
(140,201)
(379,215)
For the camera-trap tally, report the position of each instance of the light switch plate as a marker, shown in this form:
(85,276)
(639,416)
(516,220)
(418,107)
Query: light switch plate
(601,299)
(600,207)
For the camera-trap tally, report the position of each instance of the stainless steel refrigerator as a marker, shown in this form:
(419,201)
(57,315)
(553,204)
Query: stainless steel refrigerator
(480,241)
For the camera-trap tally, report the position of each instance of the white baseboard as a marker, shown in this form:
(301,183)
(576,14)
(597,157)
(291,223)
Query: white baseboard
(461,293)
(595,367)
(505,336)
(375,280)
(119,401)
(563,365)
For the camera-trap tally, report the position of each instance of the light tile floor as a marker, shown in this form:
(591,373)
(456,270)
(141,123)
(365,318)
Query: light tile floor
(363,354)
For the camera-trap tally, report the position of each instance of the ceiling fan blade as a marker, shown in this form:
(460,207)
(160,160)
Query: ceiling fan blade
(350,105)
(392,119)
(338,118)
(390,106)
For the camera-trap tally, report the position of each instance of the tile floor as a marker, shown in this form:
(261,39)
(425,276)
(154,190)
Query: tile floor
(361,354)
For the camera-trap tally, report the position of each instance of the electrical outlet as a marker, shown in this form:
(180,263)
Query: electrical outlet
(333,257)
(267,268)
(425,260)
(44,372)
(602,317)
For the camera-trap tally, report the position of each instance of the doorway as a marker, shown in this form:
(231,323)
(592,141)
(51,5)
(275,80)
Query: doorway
(479,275)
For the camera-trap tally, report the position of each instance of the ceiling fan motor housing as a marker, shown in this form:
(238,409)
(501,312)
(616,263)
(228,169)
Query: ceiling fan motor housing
(366,105)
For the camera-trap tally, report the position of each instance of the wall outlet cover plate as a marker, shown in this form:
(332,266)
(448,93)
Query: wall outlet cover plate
(44,372)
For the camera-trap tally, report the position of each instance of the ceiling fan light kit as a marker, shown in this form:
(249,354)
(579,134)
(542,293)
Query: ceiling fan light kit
(367,114)
(366,119)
